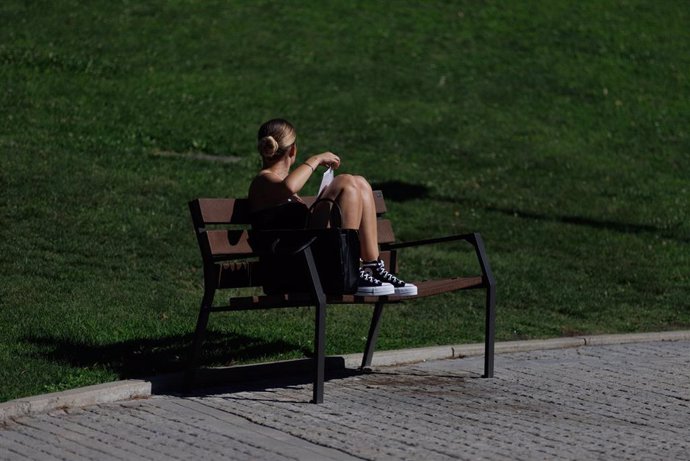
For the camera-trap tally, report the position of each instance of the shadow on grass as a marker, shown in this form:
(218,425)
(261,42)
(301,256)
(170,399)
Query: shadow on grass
(165,362)
(399,191)
(593,223)
(141,358)
(620,227)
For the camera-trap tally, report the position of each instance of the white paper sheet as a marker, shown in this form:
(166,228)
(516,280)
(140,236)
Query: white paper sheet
(326,180)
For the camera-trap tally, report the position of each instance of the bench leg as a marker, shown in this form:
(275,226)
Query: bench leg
(490,322)
(319,327)
(199,333)
(490,331)
(320,352)
(373,335)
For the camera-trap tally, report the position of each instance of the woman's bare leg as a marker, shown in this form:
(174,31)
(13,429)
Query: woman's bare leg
(356,200)
(353,195)
(368,228)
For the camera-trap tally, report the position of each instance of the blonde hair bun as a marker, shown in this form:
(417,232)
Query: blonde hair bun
(275,138)
(268,146)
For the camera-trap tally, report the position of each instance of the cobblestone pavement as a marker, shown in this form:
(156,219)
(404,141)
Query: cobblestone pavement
(598,402)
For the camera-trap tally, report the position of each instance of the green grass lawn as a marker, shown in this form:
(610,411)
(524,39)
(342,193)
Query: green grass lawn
(558,130)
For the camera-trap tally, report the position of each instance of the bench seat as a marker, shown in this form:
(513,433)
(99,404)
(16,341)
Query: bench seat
(424,289)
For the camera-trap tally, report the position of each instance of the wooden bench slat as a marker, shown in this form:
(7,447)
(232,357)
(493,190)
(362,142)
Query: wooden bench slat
(425,288)
(380,203)
(236,211)
(385,231)
(228,243)
(224,211)
(224,242)
(436,287)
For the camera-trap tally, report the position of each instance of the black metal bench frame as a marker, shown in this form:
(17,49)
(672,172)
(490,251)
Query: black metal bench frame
(229,262)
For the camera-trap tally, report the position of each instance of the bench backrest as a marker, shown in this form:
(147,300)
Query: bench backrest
(221,226)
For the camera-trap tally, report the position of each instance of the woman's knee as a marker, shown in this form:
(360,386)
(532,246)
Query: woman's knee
(345,179)
(362,183)
(349,185)
(349,180)
(342,182)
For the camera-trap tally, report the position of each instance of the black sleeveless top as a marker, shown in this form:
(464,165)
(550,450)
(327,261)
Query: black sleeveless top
(288,215)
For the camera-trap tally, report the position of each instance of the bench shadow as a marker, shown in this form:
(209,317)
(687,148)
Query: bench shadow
(592,223)
(143,358)
(164,362)
(407,191)
(262,377)
(620,227)
(400,191)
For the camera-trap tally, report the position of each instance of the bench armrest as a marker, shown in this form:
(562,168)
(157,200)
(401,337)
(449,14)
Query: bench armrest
(471,238)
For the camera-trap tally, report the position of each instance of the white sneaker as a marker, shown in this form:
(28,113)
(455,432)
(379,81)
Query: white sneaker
(369,286)
(378,271)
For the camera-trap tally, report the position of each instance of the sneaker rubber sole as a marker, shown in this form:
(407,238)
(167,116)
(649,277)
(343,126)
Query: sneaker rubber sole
(407,290)
(384,290)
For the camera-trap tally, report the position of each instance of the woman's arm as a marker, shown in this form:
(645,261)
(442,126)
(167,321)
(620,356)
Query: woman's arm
(269,189)
(295,181)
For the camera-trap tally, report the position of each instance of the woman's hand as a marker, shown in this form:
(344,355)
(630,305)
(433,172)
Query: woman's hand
(329,159)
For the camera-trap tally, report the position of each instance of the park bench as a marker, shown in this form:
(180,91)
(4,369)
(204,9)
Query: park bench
(230,262)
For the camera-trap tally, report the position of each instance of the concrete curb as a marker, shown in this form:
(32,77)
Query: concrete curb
(406,356)
(89,395)
(139,388)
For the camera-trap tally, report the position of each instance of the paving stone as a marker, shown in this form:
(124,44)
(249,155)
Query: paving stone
(617,402)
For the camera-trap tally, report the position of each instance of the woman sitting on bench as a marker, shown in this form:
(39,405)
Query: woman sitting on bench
(275,204)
